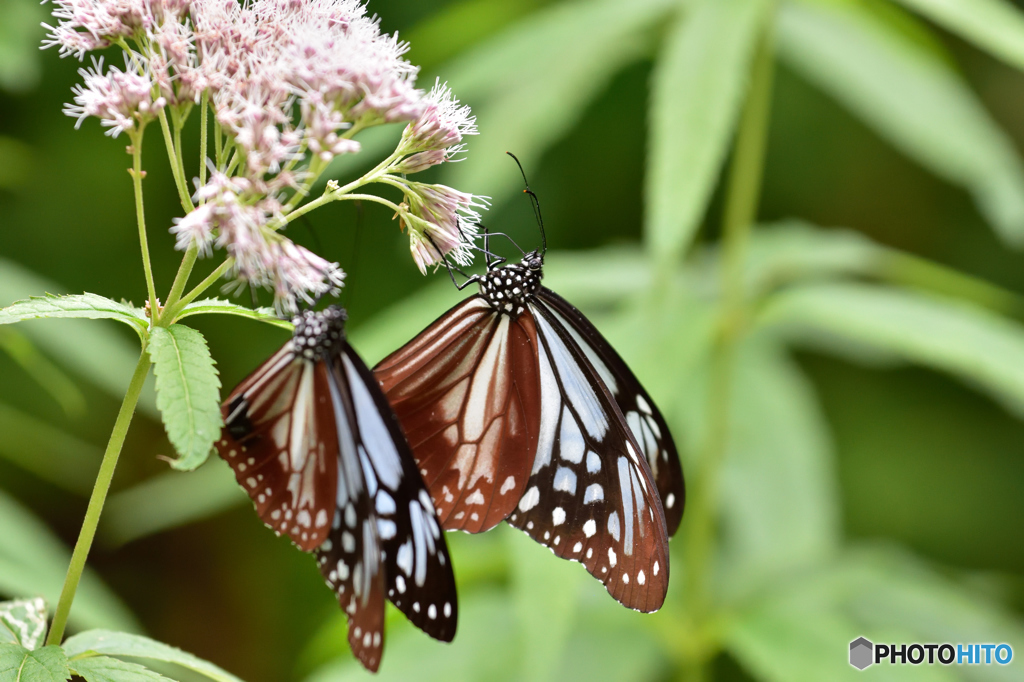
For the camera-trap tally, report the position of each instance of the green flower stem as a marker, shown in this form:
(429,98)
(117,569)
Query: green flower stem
(140,216)
(203,143)
(171,312)
(218,144)
(176,171)
(99,496)
(329,196)
(743,195)
(181,278)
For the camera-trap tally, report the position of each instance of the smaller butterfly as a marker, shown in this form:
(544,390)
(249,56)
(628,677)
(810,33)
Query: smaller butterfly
(313,441)
(518,409)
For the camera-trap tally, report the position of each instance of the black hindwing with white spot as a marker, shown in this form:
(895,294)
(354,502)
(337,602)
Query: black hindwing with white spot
(645,421)
(590,497)
(381,538)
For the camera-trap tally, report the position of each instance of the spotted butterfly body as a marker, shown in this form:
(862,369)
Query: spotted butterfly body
(518,409)
(314,443)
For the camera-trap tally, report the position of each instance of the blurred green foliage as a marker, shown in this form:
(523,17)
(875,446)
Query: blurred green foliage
(871,480)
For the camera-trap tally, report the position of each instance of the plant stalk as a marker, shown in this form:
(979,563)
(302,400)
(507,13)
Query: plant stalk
(96,501)
(140,217)
(743,195)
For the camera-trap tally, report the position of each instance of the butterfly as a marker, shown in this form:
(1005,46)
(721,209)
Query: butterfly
(312,440)
(518,409)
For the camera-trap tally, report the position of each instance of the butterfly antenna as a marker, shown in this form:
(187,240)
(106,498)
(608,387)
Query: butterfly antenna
(536,206)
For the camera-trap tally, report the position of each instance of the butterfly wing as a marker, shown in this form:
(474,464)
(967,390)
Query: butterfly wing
(642,415)
(591,497)
(467,393)
(418,569)
(279,438)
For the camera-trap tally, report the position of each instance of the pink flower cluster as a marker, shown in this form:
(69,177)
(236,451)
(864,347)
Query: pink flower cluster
(290,82)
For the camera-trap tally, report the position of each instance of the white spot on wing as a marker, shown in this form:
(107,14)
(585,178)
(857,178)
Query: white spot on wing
(594,493)
(529,499)
(565,479)
(558,516)
(589,528)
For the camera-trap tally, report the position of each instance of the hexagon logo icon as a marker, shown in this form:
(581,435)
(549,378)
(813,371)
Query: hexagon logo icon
(861,653)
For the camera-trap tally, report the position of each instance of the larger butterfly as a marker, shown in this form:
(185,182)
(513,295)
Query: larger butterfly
(517,408)
(312,440)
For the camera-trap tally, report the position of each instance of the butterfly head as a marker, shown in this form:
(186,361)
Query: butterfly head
(509,287)
(318,332)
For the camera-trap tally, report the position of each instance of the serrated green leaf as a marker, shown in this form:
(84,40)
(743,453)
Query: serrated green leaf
(982,348)
(34,562)
(23,622)
(993,25)
(107,669)
(18,664)
(95,351)
(188,392)
(217,306)
(698,88)
(530,84)
(911,98)
(136,646)
(90,306)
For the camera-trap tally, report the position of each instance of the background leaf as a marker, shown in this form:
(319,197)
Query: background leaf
(979,347)
(993,25)
(523,103)
(170,500)
(20,33)
(698,86)
(911,98)
(33,562)
(49,453)
(188,392)
(879,594)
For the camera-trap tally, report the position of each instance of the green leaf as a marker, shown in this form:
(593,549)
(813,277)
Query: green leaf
(170,500)
(699,85)
(18,664)
(16,158)
(88,306)
(23,622)
(60,387)
(94,351)
(218,307)
(800,631)
(779,497)
(529,85)
(473,655)
(980,347)
(188,392)
(911,98)
(33,562)
(106,669)
(135,646)
(51,454)
(993,25)
(20,34)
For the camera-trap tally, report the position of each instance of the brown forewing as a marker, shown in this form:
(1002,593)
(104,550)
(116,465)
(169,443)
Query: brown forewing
(277,407)
(467,393)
